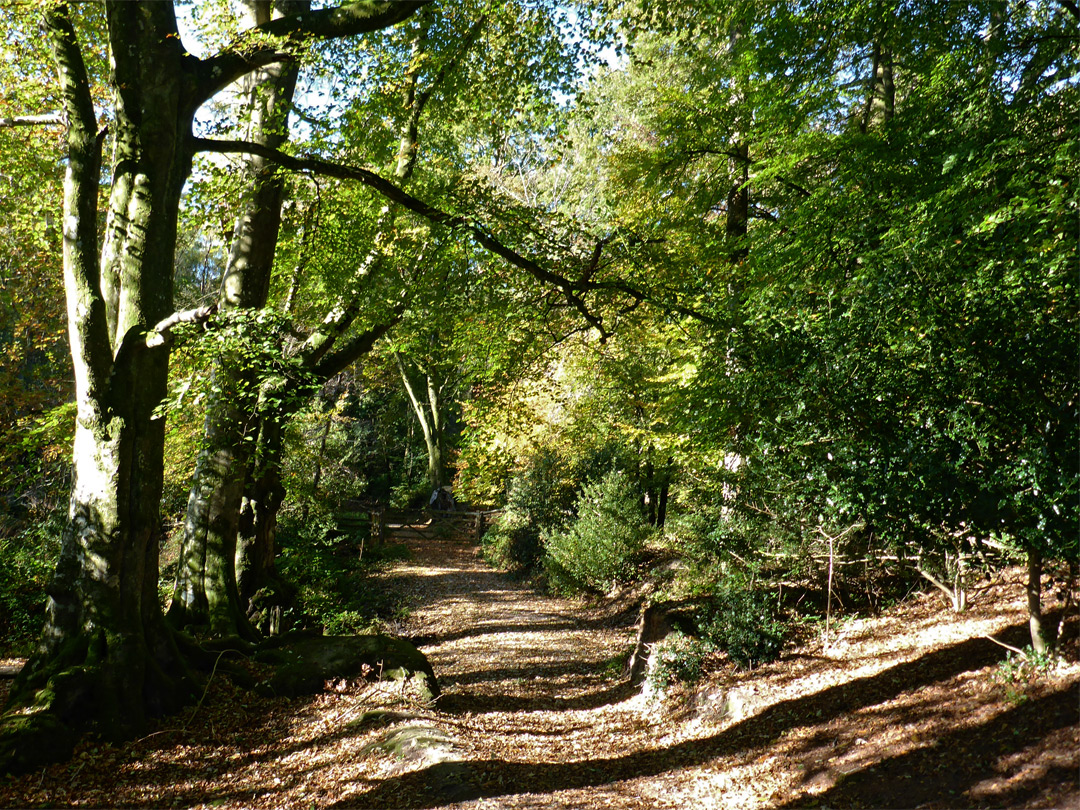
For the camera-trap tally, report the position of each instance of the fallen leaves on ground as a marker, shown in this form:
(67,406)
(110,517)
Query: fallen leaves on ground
(902,710)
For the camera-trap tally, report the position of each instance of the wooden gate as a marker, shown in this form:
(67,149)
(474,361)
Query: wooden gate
(430,524)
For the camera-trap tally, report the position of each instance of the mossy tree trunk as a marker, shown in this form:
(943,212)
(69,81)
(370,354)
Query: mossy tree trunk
(105,657)
(257,541)
(205,592)
(264,492)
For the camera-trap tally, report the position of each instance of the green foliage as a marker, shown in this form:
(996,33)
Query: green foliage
(744,624)
(1019,671)
(677,658)
(1029,663)
(34,487)
(333,574)
(541,499)
(602,546)
(889,342)
(29,558)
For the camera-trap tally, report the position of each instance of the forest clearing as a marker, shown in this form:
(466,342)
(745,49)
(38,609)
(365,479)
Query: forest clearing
(530,402)
(908,709)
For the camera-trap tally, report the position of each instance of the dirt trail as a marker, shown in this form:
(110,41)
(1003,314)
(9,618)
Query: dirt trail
(901,710)
(530,686)
(540,718)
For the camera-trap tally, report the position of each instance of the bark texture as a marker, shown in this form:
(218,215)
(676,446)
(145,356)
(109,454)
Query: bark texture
(205,592)
(105,658)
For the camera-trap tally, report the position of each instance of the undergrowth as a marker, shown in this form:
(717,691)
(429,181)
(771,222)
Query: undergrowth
(334,571)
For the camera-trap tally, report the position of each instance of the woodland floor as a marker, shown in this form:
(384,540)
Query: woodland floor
(902,710)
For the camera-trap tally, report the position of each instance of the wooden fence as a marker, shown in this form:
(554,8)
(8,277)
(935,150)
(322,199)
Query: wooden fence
(430,524)
(427,523)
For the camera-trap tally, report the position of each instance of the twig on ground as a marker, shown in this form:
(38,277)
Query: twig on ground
(1008,647)
(207,689)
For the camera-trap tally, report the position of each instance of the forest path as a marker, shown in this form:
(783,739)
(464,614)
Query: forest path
(901,710)
(905,709)
(531,692)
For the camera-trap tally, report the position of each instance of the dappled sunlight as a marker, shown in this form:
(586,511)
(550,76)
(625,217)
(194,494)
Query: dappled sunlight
(534,714)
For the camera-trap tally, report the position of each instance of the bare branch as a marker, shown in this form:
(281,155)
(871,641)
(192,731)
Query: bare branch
(161,334)
(1010,647)
(47,120)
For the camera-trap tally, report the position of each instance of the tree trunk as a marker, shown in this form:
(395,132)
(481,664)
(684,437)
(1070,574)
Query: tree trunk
(106,659)
(1039,642)
(881,97)
(262,591)
(317,478)
(205,592)
(431,425)
(662,501)
(738,203)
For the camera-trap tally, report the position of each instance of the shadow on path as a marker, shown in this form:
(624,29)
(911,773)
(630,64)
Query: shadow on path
(933,774)
(1031,721)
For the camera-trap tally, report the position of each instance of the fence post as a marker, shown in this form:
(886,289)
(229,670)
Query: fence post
(377,526)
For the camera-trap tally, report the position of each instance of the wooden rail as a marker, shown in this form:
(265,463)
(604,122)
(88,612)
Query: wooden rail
(430,524)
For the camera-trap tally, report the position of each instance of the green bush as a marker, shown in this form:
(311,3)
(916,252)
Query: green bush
(603,544)
(29,559)
(513,543)
(745,625)
(677,658)
(541,498)
(335,588)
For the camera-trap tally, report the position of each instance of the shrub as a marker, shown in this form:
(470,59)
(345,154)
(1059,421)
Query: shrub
(601,547)
(335,589)
(512,543)
(29,559)
(676,658)
(541,497)
(745,625)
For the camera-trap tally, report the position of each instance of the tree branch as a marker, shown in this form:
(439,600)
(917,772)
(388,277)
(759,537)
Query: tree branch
(87,321)
(161,334)
(355,348)
(571,290)
(48,119)
(256,48)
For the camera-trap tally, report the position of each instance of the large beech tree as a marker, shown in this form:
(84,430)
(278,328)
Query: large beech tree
(106,658)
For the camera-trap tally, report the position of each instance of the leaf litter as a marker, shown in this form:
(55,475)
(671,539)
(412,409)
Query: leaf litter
(901,710)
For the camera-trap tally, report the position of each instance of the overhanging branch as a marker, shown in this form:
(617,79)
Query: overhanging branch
(259,46)
(572,290)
